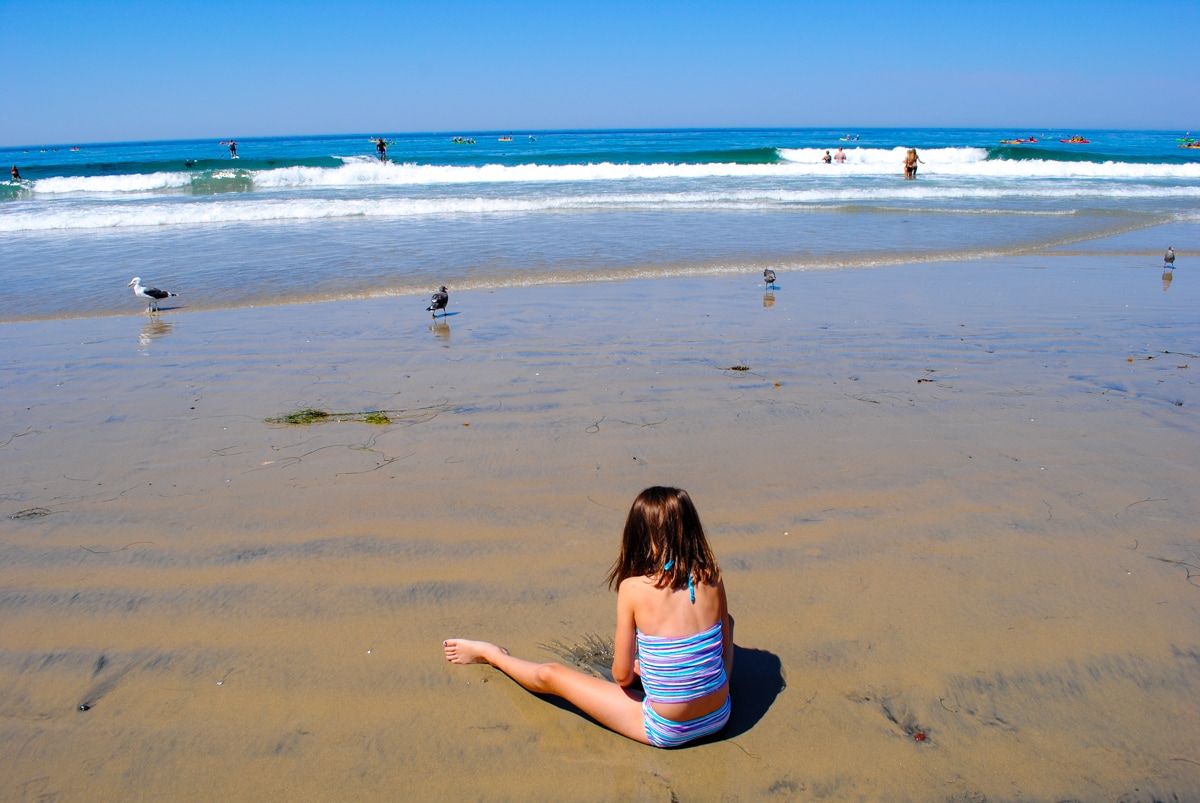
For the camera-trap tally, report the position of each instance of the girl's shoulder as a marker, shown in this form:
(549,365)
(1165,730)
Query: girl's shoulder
(636,585)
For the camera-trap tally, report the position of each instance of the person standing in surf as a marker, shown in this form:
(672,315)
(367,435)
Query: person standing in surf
(674,634)
(910,163)
(232,149)
(381,149)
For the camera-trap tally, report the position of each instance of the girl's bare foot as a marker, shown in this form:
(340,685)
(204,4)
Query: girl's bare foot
(465,651)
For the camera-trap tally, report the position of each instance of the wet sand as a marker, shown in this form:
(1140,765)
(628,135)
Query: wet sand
(951,500)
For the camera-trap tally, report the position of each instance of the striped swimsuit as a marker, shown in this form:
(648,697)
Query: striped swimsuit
(678,670)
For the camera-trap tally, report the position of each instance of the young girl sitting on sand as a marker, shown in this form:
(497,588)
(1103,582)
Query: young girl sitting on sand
(673,631)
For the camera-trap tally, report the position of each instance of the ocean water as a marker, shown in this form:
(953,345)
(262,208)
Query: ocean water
(312,218)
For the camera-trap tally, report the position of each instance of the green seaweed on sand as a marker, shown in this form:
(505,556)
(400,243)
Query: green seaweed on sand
(312,416)
(305,416)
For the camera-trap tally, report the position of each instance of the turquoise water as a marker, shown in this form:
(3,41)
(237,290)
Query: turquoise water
(308,218)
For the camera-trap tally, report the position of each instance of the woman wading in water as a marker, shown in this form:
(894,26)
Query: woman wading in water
(674,632)
(910,163)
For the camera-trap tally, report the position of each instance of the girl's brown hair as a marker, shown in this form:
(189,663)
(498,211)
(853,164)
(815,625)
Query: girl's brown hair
(664,528)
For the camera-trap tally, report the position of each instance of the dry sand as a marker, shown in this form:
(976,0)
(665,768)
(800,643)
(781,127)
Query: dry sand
(956,500)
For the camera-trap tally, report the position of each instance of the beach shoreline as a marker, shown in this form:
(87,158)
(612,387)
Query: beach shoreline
(308,219)
(948,501)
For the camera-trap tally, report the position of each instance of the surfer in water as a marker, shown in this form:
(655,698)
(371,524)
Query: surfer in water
(16,174)
(381,149)
(232,149)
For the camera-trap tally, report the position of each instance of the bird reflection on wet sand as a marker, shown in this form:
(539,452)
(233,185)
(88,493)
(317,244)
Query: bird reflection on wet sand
(154,329)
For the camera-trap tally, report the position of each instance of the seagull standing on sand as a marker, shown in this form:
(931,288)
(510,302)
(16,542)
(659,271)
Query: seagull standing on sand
(1169,257)
(151,295)
(769,278)
(440,299)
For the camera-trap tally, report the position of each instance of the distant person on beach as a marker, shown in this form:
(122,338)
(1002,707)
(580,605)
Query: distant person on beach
(826,158)
(381,149)
(910,163)
(674,633)
(840,156)
(16,174)
(232,149)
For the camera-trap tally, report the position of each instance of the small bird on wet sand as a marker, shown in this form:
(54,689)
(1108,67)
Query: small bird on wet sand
(1169,257)
(769,278)
(151,295)
(440,299)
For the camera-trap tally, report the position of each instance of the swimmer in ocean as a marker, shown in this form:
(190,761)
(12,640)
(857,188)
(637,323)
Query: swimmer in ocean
(16,174)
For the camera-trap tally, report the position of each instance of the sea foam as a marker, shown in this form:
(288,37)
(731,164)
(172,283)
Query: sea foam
(251,209)
(796,163)
(122,183)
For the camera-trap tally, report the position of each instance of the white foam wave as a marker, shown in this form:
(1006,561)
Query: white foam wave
(1042,169)
(800,163)
(973,163)
(964,163)
(377,173)
(887,158)
(248,209)
(123,183)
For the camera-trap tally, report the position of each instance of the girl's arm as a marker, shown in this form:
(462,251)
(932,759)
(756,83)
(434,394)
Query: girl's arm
(726,633)
(625,640)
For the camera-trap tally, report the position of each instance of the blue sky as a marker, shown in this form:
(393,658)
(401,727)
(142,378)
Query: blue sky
(106,71)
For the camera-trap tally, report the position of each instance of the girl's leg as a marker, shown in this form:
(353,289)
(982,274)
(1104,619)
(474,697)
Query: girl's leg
(607,703)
